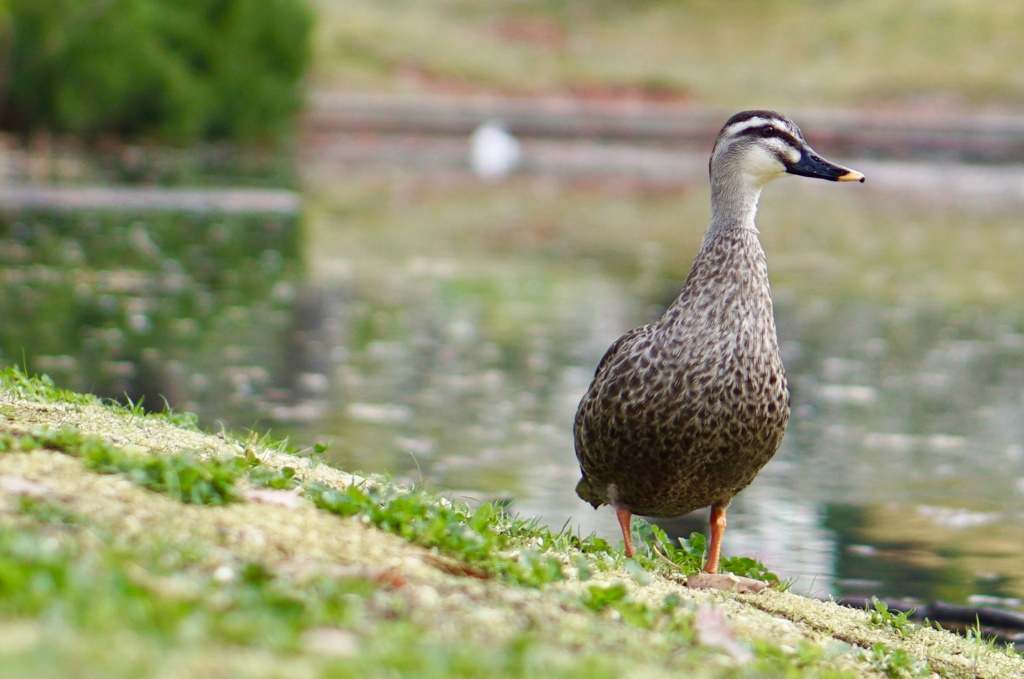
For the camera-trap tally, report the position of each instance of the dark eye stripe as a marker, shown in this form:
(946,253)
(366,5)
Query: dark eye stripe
(779,133)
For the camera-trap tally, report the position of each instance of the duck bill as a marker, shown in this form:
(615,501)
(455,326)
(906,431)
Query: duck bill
(813,165)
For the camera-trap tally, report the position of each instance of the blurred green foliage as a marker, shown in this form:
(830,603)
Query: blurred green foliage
(177,70)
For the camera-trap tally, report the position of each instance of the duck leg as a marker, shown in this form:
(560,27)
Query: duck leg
(710,578)
(625,517)
(717,531)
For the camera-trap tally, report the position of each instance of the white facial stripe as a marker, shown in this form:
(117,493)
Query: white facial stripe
(750,123)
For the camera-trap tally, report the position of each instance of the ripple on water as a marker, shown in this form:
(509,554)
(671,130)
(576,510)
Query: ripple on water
(379,413)
(956,518)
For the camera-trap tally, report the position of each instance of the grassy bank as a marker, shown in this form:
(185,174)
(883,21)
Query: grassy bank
(134,545)
(778,54)
(839,242)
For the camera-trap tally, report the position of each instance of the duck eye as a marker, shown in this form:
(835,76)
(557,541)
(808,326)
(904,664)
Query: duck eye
(768,131)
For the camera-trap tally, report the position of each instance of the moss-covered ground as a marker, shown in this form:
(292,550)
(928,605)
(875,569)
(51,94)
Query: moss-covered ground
(134,545)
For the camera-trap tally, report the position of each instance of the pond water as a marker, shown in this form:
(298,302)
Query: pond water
(444,333)
(902,473)
(194,311)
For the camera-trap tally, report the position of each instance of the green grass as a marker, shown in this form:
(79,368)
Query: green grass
(481,539)
(486,542)
(688,556)
(740,54)
(94,588)
(898,621)
(183,476)
(102,582)
(100,591)
(41,388)
(895,663)
(104,589)
(477,537)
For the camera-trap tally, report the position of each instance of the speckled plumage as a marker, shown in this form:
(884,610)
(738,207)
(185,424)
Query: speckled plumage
(697,401)
(683,413)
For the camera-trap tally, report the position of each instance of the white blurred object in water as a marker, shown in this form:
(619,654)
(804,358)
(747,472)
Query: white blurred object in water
(493,152)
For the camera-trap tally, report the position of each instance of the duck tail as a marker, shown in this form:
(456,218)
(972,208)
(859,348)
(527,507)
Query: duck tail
(587,493)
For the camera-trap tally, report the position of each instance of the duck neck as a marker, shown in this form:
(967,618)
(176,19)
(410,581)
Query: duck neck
(733,203)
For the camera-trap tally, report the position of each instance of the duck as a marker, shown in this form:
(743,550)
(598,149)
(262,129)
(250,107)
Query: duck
(684,412)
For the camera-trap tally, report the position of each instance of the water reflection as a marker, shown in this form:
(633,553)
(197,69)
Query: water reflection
(902,473)
(201,312)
